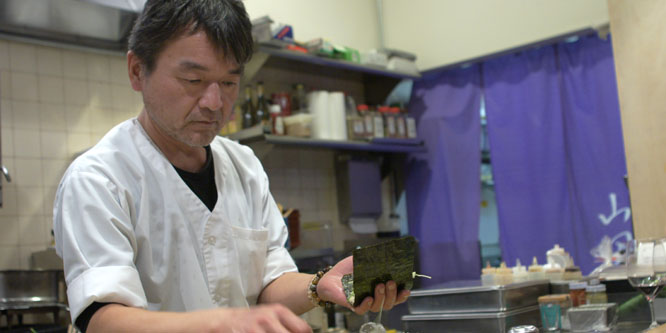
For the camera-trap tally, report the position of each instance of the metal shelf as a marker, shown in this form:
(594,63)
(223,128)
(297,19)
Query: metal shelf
(254,135)
(335,63)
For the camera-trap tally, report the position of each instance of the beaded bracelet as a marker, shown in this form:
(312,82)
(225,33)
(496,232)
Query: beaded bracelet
(312,289)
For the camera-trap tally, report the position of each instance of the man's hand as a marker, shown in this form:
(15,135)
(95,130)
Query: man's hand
(265,318)
(330,289)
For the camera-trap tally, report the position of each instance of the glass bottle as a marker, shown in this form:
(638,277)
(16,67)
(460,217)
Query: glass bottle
(410,124)
(400,127)
(262,112)
(299,102)
(248,109)
(378,124)
(368,120)
(389,121)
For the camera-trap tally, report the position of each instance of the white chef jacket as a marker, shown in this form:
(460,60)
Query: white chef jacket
(131,231)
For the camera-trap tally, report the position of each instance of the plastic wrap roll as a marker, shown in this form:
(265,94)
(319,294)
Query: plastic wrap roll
(319,110)
(337,116)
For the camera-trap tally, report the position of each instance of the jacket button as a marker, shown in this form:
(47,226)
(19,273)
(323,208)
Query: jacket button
(212,240)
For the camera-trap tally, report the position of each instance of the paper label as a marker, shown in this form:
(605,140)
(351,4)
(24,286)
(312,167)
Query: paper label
(644,254)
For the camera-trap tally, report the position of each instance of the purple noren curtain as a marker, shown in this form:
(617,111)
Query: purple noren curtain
(556,150)
(443,185)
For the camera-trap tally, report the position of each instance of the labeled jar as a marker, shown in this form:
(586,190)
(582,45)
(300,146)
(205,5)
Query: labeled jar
(400,125)
(389,121)
(596,294)
(577,293)
(368,120)
(553,309)
(378,124)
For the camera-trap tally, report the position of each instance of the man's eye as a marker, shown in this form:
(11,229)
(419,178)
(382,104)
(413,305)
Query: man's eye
(194,81)
(229,83)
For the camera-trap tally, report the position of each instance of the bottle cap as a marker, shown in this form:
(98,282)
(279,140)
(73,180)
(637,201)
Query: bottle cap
(503,269)
(274,108)
(577,285)
(596,288)
(519,268)
(488,269)
(362,107)
(535,267)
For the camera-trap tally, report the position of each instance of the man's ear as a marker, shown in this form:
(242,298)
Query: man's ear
(136,71)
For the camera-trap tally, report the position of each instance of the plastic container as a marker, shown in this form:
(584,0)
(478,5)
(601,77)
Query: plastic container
(596,294)
(577,293)
(298,125)
(553,310)
(593,318)
(503,275)
(554,274)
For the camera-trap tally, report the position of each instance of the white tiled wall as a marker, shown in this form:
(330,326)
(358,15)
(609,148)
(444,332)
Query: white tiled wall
(56,102)
(304,179)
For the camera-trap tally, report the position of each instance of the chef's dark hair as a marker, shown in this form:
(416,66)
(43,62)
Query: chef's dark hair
(225,22)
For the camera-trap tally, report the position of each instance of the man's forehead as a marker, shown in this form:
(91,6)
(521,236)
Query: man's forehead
(196,51)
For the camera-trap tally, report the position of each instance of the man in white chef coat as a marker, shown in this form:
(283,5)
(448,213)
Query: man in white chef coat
(165,226)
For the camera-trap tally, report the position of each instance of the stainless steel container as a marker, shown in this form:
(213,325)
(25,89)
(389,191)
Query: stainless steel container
(471,296)
(29,286)
(499,322)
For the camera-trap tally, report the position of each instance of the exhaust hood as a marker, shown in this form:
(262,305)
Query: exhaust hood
(99,24)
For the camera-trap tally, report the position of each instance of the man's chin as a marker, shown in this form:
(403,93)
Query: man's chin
(199,140)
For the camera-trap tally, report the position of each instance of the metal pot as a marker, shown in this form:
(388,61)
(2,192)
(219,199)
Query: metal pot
(29,286)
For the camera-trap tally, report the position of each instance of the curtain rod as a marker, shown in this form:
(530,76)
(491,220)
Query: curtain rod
(601,30)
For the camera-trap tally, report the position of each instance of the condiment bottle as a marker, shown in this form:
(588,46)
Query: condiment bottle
(554,273)
(389,121)
(577,293)
(572,274)
(596,294)
(378,124)
(299,102)
(410,123)
(400,127)
(488,275)
(503,275)
(535,271)
(519,272)
(368,120)
(355,127)
(277,123)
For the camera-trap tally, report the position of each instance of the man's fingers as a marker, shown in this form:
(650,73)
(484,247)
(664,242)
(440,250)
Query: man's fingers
(380,295)
(391,294)
(402,297)
(365,306)
(291,323)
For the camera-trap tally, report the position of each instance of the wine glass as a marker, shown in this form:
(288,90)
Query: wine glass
(646,269)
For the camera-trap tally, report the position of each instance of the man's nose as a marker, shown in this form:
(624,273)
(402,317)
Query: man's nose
(212,97)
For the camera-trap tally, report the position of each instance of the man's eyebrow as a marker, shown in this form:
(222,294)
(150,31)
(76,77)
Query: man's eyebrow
(189,65)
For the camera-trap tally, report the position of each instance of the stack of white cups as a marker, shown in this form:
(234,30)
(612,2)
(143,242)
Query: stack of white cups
(328,115)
